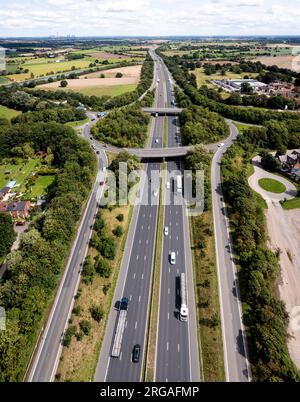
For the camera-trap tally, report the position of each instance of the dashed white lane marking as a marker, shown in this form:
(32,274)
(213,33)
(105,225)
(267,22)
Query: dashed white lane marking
(130,297)
(168,291)
(177,223)
(142,276)
(147,241)
(139,299)
(178,347)
(169,269)
(168,316)
(177,271)
(142,227)
(137,257)
(140,241)
(145,258)
(126,324)
(134,276)
(135,325)
(177,238)
(167,345)
(121,355)
(148,227)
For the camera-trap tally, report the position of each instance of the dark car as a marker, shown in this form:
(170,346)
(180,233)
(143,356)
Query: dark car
(136,353)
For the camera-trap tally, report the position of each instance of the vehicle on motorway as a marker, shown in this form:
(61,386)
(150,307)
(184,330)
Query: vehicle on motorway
(166,231)
(97,152)
(136,353)
(172,258)
(104,168)
(221,145)
(158,80)
(155,193)
(179,184)
(168,185)
(116,349)
(101,183)
(157,141)
(183,299)
(156,114)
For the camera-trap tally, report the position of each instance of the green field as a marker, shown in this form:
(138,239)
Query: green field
(6,113)
(77,123)
(271,185)
(3,80)
(291,204)
(113,90)
(40,186)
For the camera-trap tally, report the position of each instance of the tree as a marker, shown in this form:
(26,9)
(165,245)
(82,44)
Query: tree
(70,332)
(85,327)
(63,83)
(119,75)
(246,88)
(103,268)
(120,217)
(118,231)
(97,313)
(7,234)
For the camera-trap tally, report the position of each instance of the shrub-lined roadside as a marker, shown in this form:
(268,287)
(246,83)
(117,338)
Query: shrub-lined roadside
(206,279)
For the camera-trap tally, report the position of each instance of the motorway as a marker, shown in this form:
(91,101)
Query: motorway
(177,354)
(236,361)
(46,357)
(136,271)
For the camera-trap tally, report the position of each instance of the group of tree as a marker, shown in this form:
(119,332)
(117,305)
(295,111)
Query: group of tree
(199,125)
(35,268)
(265,316)
(58,115)
(272,102)
(126,127)
(7,234)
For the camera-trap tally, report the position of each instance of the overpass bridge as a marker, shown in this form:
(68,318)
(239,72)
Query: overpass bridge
(163,111)
(155,153)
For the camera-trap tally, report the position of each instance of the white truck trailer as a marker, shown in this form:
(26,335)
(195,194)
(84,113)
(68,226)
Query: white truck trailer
(183,299)
(179,184)
(116,349)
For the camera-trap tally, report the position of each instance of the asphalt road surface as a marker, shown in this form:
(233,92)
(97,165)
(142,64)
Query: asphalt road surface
(139,272)
(173,353)
(234,340)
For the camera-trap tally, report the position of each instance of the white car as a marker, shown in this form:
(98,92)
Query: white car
(168,185)
(166,231)
(172,258)
(221,145)
(155,193)
(157,141)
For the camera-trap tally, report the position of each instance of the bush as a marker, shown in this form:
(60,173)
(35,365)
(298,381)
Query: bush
(103,268)
(120,217)
(63,83)
(119,75)
(85,327)
(97,313)
(118,231)
(76,310)
(88,270)
(70,332)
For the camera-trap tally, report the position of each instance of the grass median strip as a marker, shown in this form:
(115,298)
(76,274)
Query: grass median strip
(271,185)
(151,349)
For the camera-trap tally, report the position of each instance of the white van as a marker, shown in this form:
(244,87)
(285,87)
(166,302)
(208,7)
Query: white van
(172,258)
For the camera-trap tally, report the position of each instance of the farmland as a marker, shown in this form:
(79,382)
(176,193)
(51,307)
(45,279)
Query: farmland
(92,84)
(285,61)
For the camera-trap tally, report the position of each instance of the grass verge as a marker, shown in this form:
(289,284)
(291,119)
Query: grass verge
(291,204)
(165,133)
(207,297)
(78,361)
(271,185)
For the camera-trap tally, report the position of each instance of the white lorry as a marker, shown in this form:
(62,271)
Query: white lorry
(116,349)
(179,184)
(183,299)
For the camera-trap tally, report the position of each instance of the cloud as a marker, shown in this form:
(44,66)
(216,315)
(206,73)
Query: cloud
(148,17)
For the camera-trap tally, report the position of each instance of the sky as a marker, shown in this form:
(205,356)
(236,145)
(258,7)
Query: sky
(148,17)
